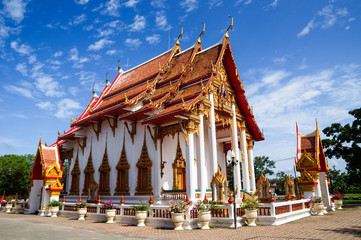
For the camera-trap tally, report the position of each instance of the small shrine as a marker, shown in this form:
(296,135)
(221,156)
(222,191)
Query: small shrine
(45,177)
(313,166)
(263,190)
(290,193)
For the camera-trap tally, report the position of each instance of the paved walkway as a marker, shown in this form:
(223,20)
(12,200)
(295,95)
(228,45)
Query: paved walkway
(342,224)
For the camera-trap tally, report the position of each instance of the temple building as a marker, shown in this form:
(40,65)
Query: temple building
(313,166)
(162,127)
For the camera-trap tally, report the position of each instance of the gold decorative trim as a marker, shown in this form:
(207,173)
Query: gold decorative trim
(179,169)
(221,181)
(75,174)
(122,168)
(88,171)
(104,172)
(114,125)
(144,165)
(97,129)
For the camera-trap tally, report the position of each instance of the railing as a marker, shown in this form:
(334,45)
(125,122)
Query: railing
(278,208)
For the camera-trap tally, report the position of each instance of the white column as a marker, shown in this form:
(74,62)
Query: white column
(324,191)
(237,174)
(245,172)
(191,176)
(202,158)
(156,172)
(214,166)
(251,160)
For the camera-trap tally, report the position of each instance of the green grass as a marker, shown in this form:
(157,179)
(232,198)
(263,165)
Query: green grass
(352,195)
(351,201)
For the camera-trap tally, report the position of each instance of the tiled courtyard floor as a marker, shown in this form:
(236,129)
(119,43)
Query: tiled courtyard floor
(342,224)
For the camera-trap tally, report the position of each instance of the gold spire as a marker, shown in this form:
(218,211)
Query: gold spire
(76,118)
(230,27)
(93,89)
(71,120)
(118,65)
(106,78)
(180,35)
(202,33)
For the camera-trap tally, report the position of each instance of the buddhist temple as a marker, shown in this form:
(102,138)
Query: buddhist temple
(163,127)
(313,166)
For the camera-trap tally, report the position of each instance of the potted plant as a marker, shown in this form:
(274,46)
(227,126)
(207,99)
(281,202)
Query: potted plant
(204,212)
(81,208)
(109,208)
(141,212)
(337,199)
(177,209)
(317,204)
(8,204)
(251,206)
(18,206)
(54,204)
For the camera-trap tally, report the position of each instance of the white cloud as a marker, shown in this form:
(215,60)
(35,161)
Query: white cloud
(18,90)
(73,91)
(105,32)
(48,86)
(81,2)
(45,105)
(15,9)
(347,27)
(158,3)
(32,59)
(282,59)
(111,52)
(58,54)
(153,39)
(274,4)
(110,8)
(131,3)
(66,107)
(325,18)
(100,44)
(74,57)
(78,20)
(189,5)
(86,78)
(133,43)
(161,21)
(138,25)
(22,68)
(215,3)
(245,2)
(23,49)
(9,144)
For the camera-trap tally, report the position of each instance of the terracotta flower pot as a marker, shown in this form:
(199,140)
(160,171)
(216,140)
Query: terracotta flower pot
(204,218)
(178,219)
(251,215)
(141,216)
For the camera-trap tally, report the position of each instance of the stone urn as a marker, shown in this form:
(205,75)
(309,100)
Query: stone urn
(319,208)
(204,217)
(251,215)
(8,207)
(338,203)
(140,216)
(54,211)
(110,214)
(81,213)
(178,219)
(17,208)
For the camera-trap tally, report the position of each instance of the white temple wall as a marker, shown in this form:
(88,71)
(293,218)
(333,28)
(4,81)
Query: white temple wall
(35,194)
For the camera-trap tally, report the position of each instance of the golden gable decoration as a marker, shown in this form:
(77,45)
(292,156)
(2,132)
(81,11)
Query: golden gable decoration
(306,162)
(307,182)
(122,168)
(53,171)
(144,165)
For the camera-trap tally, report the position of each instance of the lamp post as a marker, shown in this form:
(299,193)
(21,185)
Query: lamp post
(232,160)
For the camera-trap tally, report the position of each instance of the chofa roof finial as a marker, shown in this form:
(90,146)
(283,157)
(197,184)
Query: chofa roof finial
(180,35)
(106,79)
(230,26)
(94,94)
(202,33)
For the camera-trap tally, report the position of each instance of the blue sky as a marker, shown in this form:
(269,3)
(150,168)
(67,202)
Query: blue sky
(299,60)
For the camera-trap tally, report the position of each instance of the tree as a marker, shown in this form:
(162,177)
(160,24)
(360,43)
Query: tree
(281,178)
(263,164)
(345,142)
(14,174)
